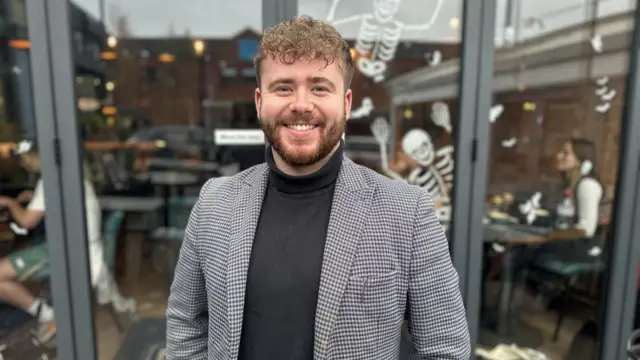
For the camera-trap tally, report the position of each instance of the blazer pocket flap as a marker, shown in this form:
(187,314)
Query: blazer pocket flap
(375,286)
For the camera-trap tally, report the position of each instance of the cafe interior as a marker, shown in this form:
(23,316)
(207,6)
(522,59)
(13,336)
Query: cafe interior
(546,91)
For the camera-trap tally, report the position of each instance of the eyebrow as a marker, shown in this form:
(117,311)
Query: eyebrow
(312,80)
(322,80)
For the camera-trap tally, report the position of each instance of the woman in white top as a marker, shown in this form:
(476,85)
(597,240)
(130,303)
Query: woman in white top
(576,162)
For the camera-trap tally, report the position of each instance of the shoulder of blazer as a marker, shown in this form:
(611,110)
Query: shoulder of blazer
(221,188)
(392,192)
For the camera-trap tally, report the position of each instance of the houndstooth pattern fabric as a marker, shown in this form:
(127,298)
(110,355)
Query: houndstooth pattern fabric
(385,253)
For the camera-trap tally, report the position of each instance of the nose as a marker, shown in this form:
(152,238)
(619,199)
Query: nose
(301,103)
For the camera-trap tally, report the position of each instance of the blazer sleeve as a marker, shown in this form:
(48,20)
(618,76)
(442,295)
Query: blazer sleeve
(187,311)
(437,319)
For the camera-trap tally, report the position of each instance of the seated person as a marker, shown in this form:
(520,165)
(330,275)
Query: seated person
(576,162)
(577,243)
(25,264)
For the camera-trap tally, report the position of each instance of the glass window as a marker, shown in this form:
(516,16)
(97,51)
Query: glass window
(160,91)
(247,49)
(555,123)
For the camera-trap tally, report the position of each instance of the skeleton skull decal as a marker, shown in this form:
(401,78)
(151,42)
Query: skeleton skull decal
(417,144)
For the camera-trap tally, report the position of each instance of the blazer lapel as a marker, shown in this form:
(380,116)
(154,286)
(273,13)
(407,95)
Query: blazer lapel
(244,220)
(351,201)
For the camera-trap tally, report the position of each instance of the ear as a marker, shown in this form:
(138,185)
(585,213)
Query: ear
(257,100)
(348,99)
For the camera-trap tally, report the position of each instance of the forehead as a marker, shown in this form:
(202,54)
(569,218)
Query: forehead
(300,70)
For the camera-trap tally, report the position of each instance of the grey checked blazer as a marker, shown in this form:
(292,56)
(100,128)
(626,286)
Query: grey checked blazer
(385,253)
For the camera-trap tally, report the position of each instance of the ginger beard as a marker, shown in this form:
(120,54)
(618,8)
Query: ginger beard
(307,150)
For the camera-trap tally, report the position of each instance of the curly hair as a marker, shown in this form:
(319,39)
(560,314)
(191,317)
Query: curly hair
(308,39)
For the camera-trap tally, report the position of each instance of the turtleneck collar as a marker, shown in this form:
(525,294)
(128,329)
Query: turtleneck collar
(325,176)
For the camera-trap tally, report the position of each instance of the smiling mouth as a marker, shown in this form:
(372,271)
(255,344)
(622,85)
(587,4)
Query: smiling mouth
(301,127)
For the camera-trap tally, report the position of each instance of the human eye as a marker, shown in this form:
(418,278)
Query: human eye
(283,89)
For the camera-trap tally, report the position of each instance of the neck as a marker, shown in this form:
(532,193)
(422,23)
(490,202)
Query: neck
(301,170)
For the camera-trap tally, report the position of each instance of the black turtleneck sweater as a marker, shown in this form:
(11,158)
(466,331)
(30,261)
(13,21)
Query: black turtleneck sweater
(286,260)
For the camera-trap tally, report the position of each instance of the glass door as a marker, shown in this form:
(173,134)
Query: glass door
(148,86)
(555,126)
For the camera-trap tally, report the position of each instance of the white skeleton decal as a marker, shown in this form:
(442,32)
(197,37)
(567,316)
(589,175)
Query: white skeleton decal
(379,34)
(364,110)
(435,177)
(440,116)
(605,93)
(434,58)
(529,208)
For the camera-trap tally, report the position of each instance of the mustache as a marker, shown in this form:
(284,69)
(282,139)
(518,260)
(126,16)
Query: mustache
(299,119)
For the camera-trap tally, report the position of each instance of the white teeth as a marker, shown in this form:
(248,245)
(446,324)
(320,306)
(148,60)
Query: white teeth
(301,127)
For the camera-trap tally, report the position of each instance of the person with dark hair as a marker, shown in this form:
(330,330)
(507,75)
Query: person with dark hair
(583,194)
(576,161)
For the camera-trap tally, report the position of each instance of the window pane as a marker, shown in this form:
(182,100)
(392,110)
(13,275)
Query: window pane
(153,82)
(560,72)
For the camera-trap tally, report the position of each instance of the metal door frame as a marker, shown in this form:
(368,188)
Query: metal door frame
(55,109)
(624,257)
(472,157)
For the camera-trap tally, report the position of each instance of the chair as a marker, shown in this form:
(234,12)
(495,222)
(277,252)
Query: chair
(569,272)
(117,177)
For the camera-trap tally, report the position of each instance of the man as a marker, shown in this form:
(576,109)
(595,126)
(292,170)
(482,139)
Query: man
(311,256)
(34,261)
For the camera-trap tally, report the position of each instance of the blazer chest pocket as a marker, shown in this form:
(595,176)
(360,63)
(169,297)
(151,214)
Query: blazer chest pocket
(377,294)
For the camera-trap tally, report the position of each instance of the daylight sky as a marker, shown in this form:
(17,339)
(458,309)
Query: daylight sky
(217,18)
